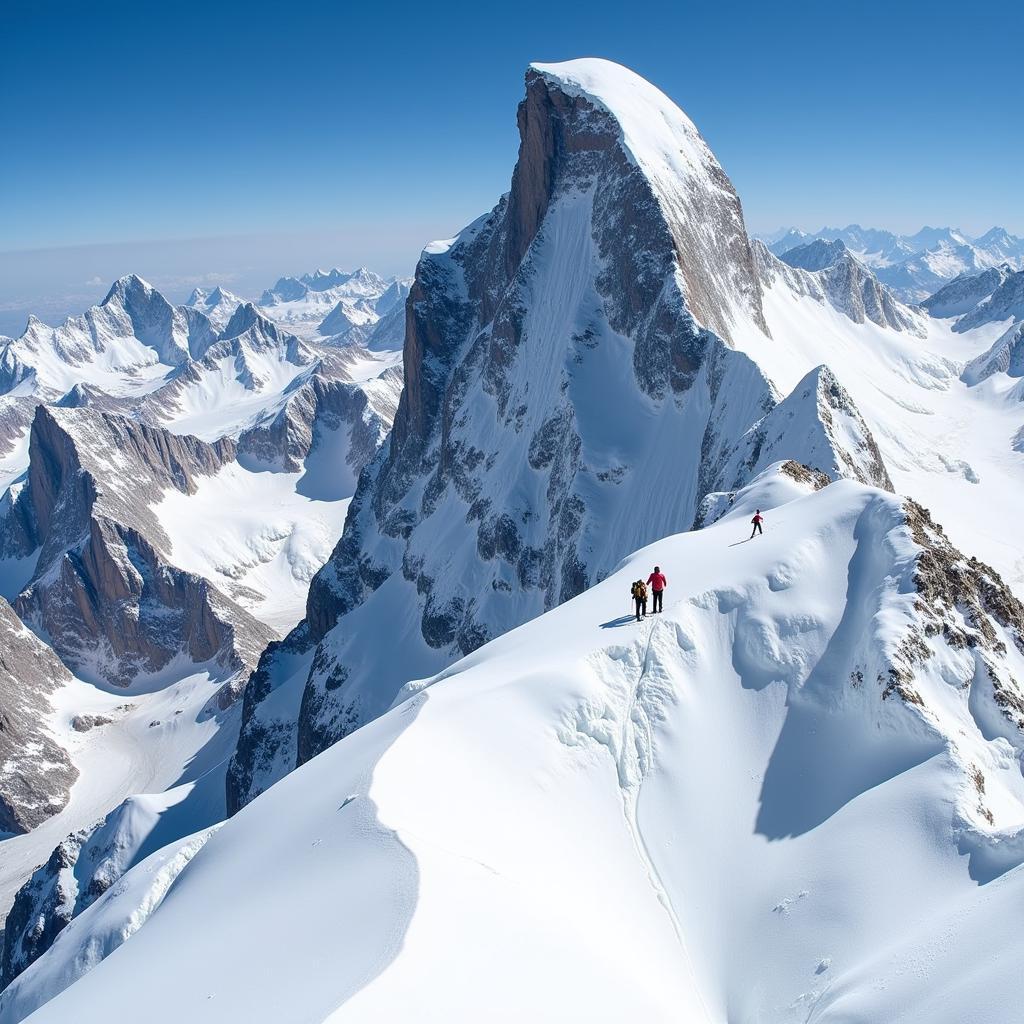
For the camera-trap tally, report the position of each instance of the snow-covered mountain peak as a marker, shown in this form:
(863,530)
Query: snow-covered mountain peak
(696,199)
(130,288)
(218,305)
(200,297)
(816,255)
(657,134)
(828,272)
(245,318)
(561,353)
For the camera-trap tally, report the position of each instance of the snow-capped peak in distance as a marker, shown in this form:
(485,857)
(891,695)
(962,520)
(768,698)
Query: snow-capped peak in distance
(218,305)
(914,266)
(355,283)
(928,238)
(828,271)
(343,306)
(816,255)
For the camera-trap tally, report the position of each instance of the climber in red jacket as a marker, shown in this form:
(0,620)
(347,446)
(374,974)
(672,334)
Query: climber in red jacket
(757,521)
(658,583)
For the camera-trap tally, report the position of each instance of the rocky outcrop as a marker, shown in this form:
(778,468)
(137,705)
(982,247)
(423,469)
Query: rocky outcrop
(965,293)
(560,355)
(36,773)
(1005,356)
(104,587)
(818,425)
(1006,302)
(828,272)
(77,873)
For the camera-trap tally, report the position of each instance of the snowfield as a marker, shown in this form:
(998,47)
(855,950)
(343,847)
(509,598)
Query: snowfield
(164,746)
(715,814)
(263,534)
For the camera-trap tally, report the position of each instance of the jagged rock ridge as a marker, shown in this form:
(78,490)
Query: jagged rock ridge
(104,590)
(828,272)
(36,773)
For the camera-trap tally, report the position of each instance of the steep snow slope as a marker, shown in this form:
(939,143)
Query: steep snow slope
(803,777)
(943,441)
(168,741)
(571,391)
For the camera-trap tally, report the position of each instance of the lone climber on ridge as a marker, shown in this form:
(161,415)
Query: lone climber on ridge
(757,521)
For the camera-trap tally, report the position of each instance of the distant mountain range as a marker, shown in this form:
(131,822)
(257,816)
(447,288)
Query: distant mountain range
(323,697)
(913,266)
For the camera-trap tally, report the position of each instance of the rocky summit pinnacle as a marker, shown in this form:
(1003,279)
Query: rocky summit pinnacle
(560,352)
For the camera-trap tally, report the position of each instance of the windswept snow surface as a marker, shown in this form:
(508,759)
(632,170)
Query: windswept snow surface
(712,815)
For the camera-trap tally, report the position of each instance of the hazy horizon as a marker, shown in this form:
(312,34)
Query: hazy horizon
(228,146)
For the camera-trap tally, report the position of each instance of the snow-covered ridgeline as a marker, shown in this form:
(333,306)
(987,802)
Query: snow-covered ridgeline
(846,677)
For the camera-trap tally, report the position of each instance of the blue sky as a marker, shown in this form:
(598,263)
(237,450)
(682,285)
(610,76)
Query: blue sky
(238,141)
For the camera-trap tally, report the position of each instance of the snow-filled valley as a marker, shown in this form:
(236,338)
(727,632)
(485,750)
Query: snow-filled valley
(323,694)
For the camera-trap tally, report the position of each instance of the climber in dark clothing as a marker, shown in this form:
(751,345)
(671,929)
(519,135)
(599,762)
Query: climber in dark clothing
(658,582)
(640,598)
(757,521)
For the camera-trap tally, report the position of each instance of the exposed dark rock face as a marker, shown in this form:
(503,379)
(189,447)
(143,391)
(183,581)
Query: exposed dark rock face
(41,910)
(588,317)
(1005,356)
(78,872)
(36,773)
(805,474)
(103,587)
(965,293)
(828,272)
(1006,302)
(962,597)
